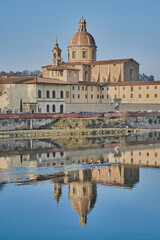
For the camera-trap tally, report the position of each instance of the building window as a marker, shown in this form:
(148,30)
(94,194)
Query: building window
(97,96)
(131,89)
(155,95)
(39,108)
(139,95)
(86,96)
(73,95)
(61,94)
(53,108)
(131,73)
(139,88)
(84,54)
(123,88)
(61,108)
(47,108)
(82,88)
(104,80)
(107,96)
(86,76)
(115,96)
(123,95)
(131,95)
(115,88)
(91,88)
(155,87)
(147,87)
(61,73)
(72,87)
(78,95)
(97,88)
(91,95)
(86,88)
(47,94)
(54,56)
(39,94)
(74,54)
(53,94)
(67,94)
(147,95)
(102,88)
(78,87)
(102,96)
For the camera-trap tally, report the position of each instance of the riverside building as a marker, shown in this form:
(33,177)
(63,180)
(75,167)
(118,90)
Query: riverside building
(82,84)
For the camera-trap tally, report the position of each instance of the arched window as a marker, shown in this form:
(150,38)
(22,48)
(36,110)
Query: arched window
(61,94)
(53,108)
(39,108)
(47,108)
(54,56)
(86,76)
(74,54)
(47,94)
(53,94)
(61,108)
(84,54)
(39,94)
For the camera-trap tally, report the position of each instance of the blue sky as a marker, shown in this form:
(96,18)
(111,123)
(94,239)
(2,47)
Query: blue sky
(121,28)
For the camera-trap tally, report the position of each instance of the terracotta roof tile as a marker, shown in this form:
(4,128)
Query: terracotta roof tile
(82,38)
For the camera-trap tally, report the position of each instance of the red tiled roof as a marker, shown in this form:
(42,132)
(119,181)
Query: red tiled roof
(62,67)
(29,80)
(102,62)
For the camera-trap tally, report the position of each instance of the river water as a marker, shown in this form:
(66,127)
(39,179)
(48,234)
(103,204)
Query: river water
(49,191)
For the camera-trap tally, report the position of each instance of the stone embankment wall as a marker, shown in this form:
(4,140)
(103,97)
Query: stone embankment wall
(9,122)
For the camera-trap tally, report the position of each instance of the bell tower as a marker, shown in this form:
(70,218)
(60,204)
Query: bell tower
(56,54)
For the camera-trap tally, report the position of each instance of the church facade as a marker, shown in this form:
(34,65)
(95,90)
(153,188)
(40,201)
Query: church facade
(82,84)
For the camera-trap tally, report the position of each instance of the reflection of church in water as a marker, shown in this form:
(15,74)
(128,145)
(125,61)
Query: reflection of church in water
(83,185)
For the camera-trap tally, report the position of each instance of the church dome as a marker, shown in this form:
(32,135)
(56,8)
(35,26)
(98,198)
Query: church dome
(82,38)
(82,47)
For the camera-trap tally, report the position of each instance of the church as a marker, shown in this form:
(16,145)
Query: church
(82,84)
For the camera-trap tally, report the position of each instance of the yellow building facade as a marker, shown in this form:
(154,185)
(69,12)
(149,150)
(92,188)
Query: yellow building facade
(82,84)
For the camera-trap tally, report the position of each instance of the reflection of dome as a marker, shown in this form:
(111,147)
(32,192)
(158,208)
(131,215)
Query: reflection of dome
(82,38)
(82,196)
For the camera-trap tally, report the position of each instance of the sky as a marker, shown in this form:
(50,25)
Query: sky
(121,29)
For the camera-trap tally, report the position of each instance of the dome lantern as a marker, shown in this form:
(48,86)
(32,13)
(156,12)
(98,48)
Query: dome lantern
(82,25)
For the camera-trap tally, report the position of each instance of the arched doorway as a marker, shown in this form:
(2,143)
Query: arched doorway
(61,108)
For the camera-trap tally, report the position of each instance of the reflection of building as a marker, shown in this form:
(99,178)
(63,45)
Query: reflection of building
(83,185)
(140,155)
(144,153)
(82,195)
(57,191)
(117,175)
